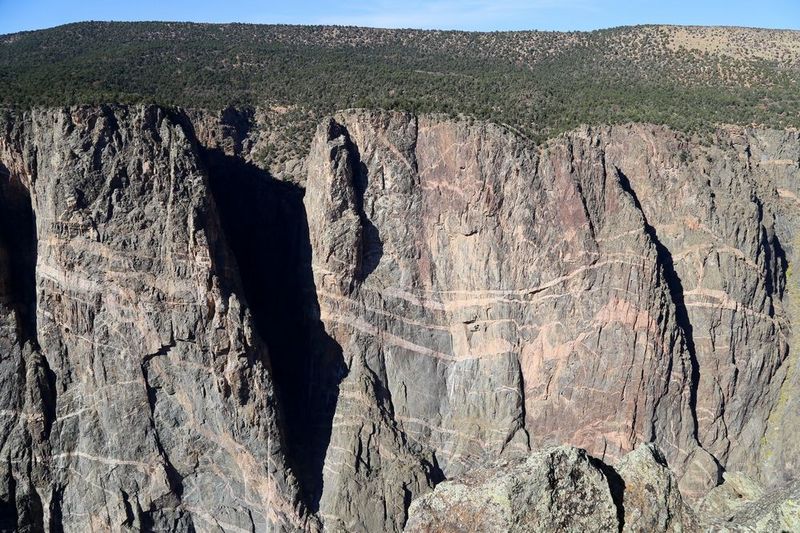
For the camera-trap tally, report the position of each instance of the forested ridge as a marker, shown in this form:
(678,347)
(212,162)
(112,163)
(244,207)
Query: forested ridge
(539,83)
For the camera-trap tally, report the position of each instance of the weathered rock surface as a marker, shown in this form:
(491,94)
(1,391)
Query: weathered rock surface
(618,286)
(741,504)
(563,489)
(187,342)
(724,500)
(651,500)
(142,398)
(559,489)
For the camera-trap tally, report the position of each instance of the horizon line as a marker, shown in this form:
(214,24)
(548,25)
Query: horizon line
(381,28)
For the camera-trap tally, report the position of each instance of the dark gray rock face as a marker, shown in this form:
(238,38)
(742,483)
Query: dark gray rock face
(189,343)
(142,399)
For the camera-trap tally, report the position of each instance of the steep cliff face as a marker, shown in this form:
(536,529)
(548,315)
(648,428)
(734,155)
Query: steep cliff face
(620,285)
(142,399)
(188,342)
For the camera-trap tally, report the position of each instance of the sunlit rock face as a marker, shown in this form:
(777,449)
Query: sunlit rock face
(188,342)
(616,286)
(559,488)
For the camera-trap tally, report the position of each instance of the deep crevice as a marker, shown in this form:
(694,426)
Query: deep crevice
(616,485)
(435,474)
(56,524)
(19,247)
(265,226)
(49,391)
(371,244)
(676,292)
(9,515)
(129,516)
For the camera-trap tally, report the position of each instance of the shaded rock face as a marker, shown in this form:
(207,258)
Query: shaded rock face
(143,398)
(188,343)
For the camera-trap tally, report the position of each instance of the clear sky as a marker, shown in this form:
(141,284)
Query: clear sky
(17,15)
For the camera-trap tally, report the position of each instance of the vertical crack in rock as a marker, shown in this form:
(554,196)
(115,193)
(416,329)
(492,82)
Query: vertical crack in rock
(616,486)
(56,513)
(676,291)
(371,244)
(174,478)
(9,515)
(265,225)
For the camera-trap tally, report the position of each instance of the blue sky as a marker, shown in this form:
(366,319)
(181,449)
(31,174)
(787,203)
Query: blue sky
(16,15)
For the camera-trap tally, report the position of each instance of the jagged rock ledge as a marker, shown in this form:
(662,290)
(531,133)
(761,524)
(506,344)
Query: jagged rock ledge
(559,489)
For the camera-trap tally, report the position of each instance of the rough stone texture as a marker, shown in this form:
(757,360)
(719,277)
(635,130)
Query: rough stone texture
(186,341)
(620,285)
(651,499)
(563,489)
(142,399)
(740,504)
(724,500)
(552,490)
(722,214)
(559,489)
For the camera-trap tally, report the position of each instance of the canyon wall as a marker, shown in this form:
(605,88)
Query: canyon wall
(189,342)
(140,397)
(619,285)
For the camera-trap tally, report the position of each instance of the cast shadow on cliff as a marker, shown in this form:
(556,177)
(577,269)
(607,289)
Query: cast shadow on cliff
(676,291)
(775,258)
(19,250)
(264,221)
(18,240)
(371,243)
(616,486)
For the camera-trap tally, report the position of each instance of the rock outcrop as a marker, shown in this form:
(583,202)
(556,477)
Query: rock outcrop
(559,489)
(188,342)
(651,500)
(741,505)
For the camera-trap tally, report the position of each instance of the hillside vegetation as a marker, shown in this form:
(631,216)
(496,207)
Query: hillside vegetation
(540,83)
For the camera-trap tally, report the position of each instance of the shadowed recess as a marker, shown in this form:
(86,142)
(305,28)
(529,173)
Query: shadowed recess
(676,291)
(18,241)
(265,225)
